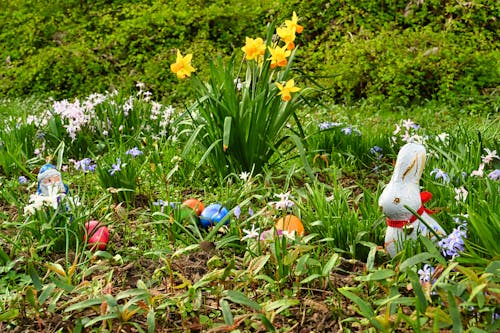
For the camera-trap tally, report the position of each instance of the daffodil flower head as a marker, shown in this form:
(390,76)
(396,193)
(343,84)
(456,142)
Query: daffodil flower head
(279,56)
(182,66)
(293,23)
(287,35)
(287,89)
(254,48)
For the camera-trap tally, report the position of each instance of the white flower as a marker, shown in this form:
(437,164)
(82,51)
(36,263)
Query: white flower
(408,123)
(461,194)
(479,172)
(443,137)
(244,176)
(284,202)
(252,233)
(491,155)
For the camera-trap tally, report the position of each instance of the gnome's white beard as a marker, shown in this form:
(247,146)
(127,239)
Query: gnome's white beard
(52,189)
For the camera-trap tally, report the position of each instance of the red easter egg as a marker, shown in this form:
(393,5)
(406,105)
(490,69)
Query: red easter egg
(98,235)
(195,205)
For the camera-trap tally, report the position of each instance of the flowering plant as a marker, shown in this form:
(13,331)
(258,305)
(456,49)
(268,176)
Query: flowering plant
(238,120)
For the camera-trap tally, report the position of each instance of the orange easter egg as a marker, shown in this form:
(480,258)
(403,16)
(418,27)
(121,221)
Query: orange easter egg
(195,205)
(290,223)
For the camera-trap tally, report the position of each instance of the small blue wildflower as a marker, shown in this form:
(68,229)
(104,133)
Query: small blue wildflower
(237,211)
(115,167)
(454,244)
(250,211)
(375,150)
(347,130)
(494,175)
(40,135)
(440,174)
(328,124)
(134,152)
(85,165)
(426,273)
(22,180)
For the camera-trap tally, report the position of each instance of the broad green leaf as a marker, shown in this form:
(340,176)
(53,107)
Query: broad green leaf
(240,298)
(46,293)
(84,304)
(376,275)
(280,305)
(332,262)
(9,315)
(258,263)
(421,303)
(416,259)
(455,314)
(226,312)
(227,133)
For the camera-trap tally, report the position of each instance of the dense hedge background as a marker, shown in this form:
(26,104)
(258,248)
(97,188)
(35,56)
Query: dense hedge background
(398,51)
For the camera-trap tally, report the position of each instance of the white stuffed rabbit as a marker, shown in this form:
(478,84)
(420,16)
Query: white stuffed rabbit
(403,190)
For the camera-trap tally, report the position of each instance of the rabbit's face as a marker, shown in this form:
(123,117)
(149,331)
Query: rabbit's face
(395,197)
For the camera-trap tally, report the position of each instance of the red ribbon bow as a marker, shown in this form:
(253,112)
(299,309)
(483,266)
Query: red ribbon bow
(424,196)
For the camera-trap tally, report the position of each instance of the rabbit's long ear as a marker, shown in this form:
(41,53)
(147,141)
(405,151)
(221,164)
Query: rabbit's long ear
(409,164)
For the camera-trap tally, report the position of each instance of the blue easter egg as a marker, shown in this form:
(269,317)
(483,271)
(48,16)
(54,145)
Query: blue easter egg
(213,214)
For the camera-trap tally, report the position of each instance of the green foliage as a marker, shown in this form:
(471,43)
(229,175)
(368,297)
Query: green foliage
(399,52)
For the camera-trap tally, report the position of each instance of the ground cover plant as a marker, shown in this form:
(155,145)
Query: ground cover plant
(256,141)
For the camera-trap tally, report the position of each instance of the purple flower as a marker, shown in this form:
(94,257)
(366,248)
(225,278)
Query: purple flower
(494,175)
(440,174)
(115,167)
(22,180)
(375,150)
(426,273)
(327,124)
(237,211)
(250,211)
(347,130)
(134,152)
(454,244)
(85,165)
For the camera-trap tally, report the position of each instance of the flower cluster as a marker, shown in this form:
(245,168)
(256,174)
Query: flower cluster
(490,156)
(408,131)
(440,174)
(284,202)
(454,243)
(85,165)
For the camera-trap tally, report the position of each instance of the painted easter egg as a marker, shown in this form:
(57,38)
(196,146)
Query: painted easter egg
(98,235)
(290,223)
(195,204)
(213,214)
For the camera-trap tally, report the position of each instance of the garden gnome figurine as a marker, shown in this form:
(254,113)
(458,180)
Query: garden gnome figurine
(403,191)
(50,181)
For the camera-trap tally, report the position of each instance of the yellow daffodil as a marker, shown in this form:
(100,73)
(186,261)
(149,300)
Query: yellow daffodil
(288,36)
(278,56)
(254,48)
(293,23)
(182,66)
(285,91)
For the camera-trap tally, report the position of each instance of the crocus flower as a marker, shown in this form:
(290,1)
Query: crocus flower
(134,152)
(278,56)
(285,91)
(182,66)
(115,167)
(254,48)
